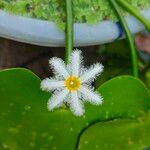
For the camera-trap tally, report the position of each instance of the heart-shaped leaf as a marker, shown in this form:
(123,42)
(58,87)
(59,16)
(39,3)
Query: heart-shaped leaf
(25,122)
(122,134)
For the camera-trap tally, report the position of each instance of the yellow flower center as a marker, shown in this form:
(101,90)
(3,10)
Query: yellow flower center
(72,83)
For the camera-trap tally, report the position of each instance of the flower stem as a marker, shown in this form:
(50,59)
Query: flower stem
(134,12)
(129,37)
(69,30)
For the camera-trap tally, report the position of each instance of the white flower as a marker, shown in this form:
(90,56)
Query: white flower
(71,84)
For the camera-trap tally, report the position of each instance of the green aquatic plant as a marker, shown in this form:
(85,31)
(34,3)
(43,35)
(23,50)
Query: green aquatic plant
(122,122)
(54,10)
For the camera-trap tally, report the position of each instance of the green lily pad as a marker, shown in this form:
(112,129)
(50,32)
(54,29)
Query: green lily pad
(120,134)
(25,122)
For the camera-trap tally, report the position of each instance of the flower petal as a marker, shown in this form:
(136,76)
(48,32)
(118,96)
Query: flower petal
(75,62)
(59,67)
(90,95)
(91,73)
(56,100)
(76,104)
(51,84)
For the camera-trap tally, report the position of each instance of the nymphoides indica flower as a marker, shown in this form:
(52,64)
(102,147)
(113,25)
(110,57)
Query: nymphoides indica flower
(71,84)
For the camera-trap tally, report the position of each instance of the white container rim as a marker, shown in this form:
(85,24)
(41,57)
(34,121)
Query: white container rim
(46,33)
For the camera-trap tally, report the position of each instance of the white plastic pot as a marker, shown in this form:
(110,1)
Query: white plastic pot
(46,33)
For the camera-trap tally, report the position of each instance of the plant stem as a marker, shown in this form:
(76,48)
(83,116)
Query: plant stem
(134,12)
(129,37)
(69,30)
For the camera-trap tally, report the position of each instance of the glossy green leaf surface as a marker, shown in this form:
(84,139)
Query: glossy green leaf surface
(25,122)
(120,134)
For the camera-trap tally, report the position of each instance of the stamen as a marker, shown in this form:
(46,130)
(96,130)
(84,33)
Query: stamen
(73,83)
